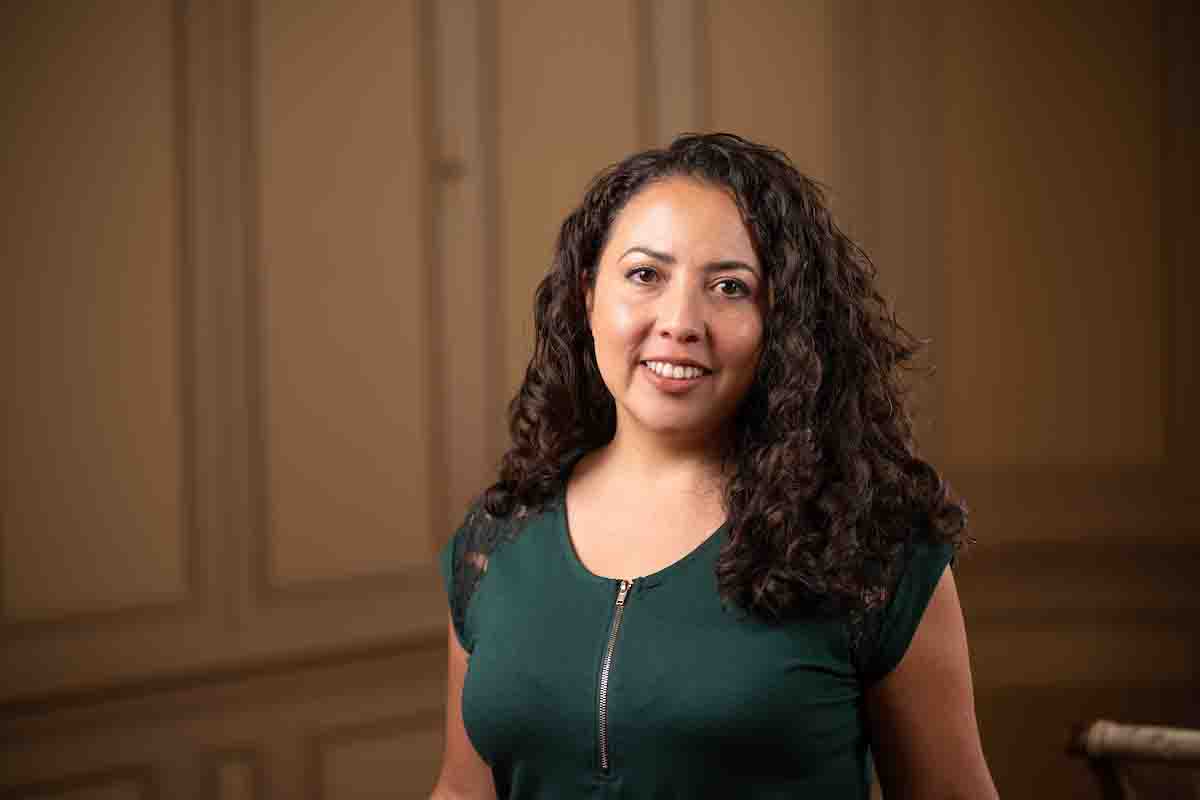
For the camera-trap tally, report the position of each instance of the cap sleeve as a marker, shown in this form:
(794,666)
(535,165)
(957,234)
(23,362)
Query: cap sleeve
(447,559)
(464,561)
(890,630)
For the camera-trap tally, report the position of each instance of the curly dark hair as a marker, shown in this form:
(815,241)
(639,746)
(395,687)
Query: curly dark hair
(826,489)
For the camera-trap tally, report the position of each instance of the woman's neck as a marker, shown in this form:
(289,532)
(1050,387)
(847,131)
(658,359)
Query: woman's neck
(673,464)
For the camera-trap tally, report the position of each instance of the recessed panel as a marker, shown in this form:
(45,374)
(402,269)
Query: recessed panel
(1054,273)
(567,105)
(90,494)
(369,765)
(771,72)
(1094,652)
(343,289)
(104,788)
(236,780)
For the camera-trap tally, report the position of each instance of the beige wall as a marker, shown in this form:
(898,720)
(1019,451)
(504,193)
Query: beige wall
(220,495)
(268,277)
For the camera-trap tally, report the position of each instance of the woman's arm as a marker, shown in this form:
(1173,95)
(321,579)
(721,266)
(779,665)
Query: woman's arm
(922,714)
(464,776)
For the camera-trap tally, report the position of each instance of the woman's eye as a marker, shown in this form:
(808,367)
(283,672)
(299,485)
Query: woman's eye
(642,275)
(729,287)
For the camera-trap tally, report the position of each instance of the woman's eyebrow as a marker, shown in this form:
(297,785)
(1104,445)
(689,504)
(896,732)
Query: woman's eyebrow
(722,266)
(667,258)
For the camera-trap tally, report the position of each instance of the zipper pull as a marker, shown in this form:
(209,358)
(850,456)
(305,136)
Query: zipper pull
(624,590)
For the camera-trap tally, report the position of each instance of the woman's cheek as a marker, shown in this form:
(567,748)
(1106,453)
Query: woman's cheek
(623,321)
(747,336)
(614,329)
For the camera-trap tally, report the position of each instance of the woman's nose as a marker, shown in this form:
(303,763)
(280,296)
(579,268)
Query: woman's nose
(681,315)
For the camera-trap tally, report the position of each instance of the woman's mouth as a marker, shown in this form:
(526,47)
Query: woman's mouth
(674,377)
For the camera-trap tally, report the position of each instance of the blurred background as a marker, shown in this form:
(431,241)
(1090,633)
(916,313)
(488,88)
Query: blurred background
(267,281)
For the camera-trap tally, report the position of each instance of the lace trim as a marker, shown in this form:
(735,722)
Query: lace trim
(475,542)
(865,621)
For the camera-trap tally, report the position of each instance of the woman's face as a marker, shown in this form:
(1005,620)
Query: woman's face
(676,309)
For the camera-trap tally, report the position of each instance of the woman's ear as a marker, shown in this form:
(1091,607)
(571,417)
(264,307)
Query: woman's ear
(588,293)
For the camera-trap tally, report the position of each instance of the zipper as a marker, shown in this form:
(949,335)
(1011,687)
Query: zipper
(605,669)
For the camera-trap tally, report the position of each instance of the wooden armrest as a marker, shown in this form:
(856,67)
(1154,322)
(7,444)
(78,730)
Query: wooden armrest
(1104,739)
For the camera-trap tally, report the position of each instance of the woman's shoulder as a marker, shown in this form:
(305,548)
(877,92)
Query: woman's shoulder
(893,604)
(468,557)
(483,532)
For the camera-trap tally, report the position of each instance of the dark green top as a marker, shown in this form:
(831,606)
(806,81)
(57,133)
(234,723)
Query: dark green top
(701,700)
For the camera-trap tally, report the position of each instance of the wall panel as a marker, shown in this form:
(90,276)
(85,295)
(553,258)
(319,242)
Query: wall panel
(901,202)
(468,350)
(218,238)
(331,372)
(237,777)
(196,580)
(1180,205)
(107,492)
(1054,273)
(674,69)
(122,783)
(343,289)
(1005,170)
(95,511)
(1059,369)
(392,758)
(370,722)
(770,73)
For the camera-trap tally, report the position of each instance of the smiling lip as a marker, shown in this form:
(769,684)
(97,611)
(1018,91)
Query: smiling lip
(674,385)
(681,362)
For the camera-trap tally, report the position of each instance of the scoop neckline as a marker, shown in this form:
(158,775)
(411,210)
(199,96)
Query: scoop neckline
(571,555)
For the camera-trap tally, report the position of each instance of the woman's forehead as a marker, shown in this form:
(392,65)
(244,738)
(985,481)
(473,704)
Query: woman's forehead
(682,217)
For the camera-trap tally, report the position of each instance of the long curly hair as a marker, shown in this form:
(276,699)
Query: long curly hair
(825,489)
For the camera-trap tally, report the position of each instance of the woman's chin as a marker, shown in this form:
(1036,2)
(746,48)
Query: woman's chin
(676,427)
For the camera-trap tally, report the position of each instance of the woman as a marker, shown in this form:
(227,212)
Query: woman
(712,565)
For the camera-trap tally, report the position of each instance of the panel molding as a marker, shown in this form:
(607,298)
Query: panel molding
(258,718)
(673,88)
(1081,347)
(140,775)
(855,182)
(1054,540)
(1075,583)
(317,746)
(248,759)
(265,594)
(1178,199)
(1025,504)
(1080,655)
(194,595)
(468,409)
(72,652)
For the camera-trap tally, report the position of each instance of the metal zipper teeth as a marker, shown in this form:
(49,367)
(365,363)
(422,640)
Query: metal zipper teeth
(605,668)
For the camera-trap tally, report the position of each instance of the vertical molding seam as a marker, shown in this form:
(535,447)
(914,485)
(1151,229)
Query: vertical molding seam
(496,443)
(703,66)
(937,429)
(432,198)
(193,567)
(1166,229)
(253,342)
(646,77)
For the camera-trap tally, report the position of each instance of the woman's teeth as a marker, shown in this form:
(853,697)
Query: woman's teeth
(673,370)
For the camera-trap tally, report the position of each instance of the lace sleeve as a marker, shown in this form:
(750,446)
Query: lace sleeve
(464,562)
(880,634)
